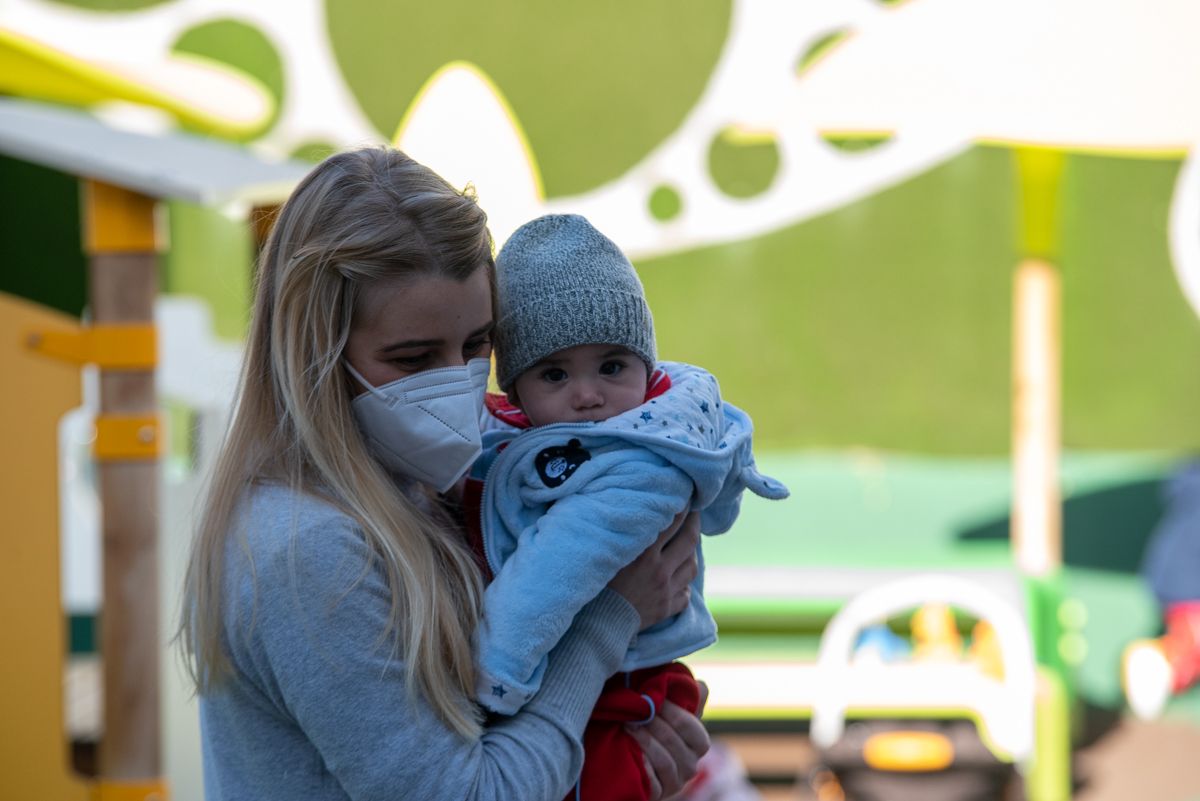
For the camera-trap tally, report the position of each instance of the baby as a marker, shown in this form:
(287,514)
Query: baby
(603,447)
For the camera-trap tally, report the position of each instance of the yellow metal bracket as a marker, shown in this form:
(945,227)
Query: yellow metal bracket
(121,437)
(108,346)
(145,790)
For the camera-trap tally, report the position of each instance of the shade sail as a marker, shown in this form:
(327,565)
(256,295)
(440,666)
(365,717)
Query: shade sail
(1104,75)
(175,165)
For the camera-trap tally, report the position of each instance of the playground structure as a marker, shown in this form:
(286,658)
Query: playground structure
(123,175)
(1031,589)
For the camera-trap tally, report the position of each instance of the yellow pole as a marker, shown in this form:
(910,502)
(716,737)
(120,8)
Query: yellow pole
(1037,501)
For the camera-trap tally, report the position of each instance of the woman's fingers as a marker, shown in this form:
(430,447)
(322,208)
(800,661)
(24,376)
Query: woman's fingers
(660,747)
(655,784)
(672,745)
(688,728)
(657,583)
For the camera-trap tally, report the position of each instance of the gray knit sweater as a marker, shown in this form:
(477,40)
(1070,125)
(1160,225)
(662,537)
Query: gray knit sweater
(315,708)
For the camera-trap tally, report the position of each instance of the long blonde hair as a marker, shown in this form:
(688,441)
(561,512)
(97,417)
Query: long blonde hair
(358,218)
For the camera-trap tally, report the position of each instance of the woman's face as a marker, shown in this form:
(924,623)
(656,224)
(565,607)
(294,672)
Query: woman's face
(408,325)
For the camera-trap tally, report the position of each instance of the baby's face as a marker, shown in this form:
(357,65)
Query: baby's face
(580,384)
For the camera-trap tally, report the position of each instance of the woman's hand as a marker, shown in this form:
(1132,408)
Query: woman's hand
(672,745)
(658,583)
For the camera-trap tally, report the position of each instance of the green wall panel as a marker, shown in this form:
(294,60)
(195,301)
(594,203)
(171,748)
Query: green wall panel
(887,323)
(41,256)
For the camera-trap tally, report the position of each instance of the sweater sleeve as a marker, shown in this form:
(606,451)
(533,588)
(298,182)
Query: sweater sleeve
(315,673)
(565,559)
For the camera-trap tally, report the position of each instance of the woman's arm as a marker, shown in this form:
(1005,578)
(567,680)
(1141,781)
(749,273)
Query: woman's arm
(318,696)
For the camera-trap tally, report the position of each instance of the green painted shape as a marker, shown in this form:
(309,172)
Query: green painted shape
(856,144)
(665,203)
(596,86)
(819,48)
(741,167)
(211,258)
(81,634)
(886,323)
(314,151)
(243,47)
(41,255)
(111,5)
(1131,342)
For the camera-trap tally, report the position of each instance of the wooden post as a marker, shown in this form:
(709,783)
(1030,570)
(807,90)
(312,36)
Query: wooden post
(123,271)
(1037,502)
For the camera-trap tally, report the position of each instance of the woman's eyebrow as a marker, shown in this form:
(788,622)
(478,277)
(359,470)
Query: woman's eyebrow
(410,343)
(426,343)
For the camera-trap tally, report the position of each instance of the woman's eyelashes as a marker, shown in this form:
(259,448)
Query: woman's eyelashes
(472,349)
(410,362)
(477,347)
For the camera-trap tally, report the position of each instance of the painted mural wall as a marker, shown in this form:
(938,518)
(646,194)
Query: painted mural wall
(847,293)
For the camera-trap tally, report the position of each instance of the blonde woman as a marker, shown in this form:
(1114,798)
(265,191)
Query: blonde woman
(331,596)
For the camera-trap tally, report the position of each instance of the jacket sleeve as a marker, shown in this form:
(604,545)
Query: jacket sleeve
(565,559)
(306,639)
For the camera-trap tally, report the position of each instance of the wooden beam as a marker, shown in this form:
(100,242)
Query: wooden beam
(122,246)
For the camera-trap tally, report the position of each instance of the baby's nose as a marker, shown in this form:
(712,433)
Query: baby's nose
(588,396)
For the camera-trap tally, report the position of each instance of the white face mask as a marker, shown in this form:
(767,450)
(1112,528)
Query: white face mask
(425,426)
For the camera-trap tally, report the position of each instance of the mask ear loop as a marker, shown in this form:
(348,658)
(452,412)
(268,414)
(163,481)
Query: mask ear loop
(365,383)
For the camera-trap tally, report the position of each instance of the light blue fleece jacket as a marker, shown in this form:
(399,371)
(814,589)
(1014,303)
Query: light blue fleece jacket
(566,506)
(316,707)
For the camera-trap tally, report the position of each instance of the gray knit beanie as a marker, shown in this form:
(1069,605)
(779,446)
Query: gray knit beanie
(563,283)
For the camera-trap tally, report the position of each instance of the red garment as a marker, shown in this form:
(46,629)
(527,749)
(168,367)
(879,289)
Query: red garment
(472,505)
(612,760)
(1181,644)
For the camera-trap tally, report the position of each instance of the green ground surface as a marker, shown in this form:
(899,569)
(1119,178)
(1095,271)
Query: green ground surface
(875,510)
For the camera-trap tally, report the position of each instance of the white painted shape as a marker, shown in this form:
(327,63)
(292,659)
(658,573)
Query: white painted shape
(754,85)
(1185,229)
(195,367)
(79,503)
(463,130)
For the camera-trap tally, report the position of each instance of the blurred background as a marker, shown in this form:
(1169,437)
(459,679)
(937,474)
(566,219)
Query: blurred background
(852,280)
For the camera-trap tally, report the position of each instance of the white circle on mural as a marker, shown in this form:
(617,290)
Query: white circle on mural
(1185,229)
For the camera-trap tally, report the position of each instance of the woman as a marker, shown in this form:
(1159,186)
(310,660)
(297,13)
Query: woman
(331,598)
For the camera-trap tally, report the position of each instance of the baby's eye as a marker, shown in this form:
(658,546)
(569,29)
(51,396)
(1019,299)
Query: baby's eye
(554,374)
(611,367)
